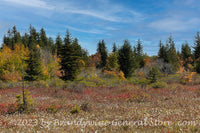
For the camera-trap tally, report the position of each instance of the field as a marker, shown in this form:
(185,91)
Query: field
(122,108)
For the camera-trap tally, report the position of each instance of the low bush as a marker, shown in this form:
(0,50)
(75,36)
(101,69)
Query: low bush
(2,85)
(56,82)
(75,110)
(52,108)
(159,85)
(41,84)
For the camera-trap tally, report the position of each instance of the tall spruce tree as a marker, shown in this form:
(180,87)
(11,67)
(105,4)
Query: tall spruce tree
(139,48)
(101,48)
(138,53)
(32,37)
(69,59)
(163,52)
(58,45)
(43,38)
(185,51)
(173,58)
(197,52)
(34,69)
(25,40)
(114,48)
(126,59)
(197,46)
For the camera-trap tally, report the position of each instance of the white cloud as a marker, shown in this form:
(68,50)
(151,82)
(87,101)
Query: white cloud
(171,24)
(108,11)
(93,14)
(85,31)
(31,3)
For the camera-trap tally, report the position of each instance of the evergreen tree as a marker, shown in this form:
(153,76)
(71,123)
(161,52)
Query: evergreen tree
(163,52)
(34,69)
(197,52)
(77,47)
(138,53)
(168,52)
(58,45)
(185,51)
(16,36)
(126,59)
(139,48)
(101,48)
(25,40)
(173,58)
(32,38)
(43,39)
(50,45)
(69,60)
(114,48)
(154,74)
(197,46)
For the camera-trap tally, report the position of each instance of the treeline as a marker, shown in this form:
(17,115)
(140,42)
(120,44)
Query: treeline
(41,58)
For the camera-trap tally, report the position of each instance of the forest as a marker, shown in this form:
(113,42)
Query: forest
(61,80)
(43,58)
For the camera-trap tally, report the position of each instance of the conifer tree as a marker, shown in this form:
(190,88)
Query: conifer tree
(43,39)
(139,48)
(25,40)
(101,48)
(173,58)
(114,48)
(126,59)
(58,45)
(163,52)
(138,53)
(197,46)
(32,37)
(185,51)
(34,69)
(69,60)
(197,52)
(154,74)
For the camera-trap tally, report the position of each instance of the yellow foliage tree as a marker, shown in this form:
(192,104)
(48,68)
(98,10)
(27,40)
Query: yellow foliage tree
(11,62)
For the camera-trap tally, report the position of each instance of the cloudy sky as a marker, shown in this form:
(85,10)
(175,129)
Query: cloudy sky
(111,20)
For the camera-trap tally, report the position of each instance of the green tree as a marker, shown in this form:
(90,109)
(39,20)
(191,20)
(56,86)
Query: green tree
(139,48)
(154,74)
(114,48)
(197,52)
(101,48)
(197,46)
(50,45)
(43,39)
(58,45)
(138,53)
(126,59)
(25,40)
(185,51)
(173,58)
(32,37)
(34,69)
(69,60)
(163,52)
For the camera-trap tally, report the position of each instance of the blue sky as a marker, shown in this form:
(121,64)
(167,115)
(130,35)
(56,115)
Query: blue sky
(111,20)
